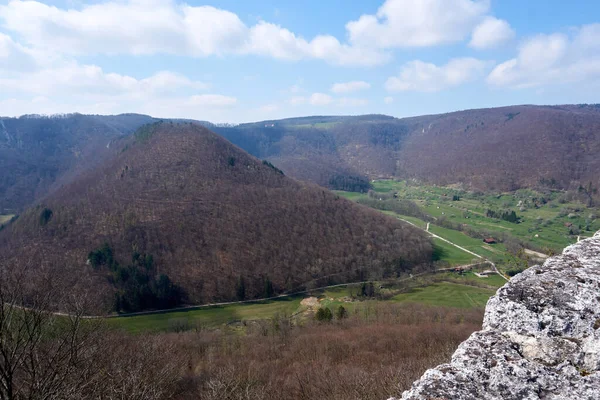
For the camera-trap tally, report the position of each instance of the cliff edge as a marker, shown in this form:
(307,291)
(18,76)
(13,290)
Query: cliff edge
(540,337)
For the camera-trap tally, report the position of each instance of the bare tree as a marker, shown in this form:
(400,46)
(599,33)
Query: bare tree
(589,191)
(43,355)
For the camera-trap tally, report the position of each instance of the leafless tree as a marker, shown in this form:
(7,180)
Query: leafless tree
(43,355)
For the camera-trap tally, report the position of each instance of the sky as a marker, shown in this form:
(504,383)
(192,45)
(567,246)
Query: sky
(242,60)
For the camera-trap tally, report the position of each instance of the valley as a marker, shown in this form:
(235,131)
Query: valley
(180,240)
(547,227)
(315,200)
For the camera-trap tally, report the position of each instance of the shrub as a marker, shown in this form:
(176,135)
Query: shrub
(341,313)
(324,315)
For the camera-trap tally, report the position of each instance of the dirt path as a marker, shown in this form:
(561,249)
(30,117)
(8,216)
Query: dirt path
(536,254)
(457,246)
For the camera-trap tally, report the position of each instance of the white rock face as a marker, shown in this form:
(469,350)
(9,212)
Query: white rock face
(540,338)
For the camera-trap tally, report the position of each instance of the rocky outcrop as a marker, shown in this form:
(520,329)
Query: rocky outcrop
(540,337)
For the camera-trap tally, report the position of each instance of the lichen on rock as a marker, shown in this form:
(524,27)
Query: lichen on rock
(540,337)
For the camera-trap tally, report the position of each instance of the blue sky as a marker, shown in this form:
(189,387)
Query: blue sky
(237,61)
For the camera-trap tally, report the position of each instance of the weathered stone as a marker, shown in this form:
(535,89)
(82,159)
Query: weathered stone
(540,337)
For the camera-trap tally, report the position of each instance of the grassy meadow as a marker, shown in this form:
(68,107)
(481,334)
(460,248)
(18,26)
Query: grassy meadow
(441,290)
(544,216)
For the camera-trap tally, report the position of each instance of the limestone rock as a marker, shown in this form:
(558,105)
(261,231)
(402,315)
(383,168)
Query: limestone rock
(540,337)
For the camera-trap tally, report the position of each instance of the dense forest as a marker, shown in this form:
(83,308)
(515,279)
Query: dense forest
(38,154)
(488,149)
(178,208)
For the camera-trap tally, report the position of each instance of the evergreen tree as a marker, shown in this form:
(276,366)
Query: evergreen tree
(268,288)
(241,289)
(341,313)
(324,315)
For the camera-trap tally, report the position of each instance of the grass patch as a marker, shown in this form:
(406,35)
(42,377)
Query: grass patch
(207,317)
(452,254)
(447,294)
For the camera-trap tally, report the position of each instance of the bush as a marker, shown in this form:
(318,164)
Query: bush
(324,315)
(341,313)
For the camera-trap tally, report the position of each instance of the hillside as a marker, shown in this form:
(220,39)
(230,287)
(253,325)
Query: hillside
(180,201)
(38,154)
(498,149)
(488,149)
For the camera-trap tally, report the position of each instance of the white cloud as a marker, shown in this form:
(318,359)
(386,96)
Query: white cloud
(166,27)
(134,27)
(348,87)
(492,32)
(14,57)
(553,60)
(73,78)
(417,23)
(419,76)
(54,85)
(388,100)
(320,99)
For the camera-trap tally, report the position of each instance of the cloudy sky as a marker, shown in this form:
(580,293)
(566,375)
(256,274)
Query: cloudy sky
(236,61)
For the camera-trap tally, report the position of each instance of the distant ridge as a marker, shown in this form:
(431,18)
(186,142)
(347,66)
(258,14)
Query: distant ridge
(498,149)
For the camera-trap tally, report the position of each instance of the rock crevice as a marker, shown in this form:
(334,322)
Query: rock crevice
(540,337)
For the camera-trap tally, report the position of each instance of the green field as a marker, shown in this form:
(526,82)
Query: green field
(551,220)
(448,294)
(460,293)
(453,255)
(209,317)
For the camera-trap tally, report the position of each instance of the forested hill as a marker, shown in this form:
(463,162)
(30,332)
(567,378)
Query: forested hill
(39,153)
(501,148)
(488,149)
(180,213)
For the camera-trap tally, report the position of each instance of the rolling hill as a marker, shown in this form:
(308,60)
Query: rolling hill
(178,212)
(38,154)
(488,149)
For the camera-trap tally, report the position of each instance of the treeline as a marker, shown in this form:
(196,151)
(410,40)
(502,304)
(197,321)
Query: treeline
(385,202)
(350,183)
(374,351)
(506,215)
(138,286)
